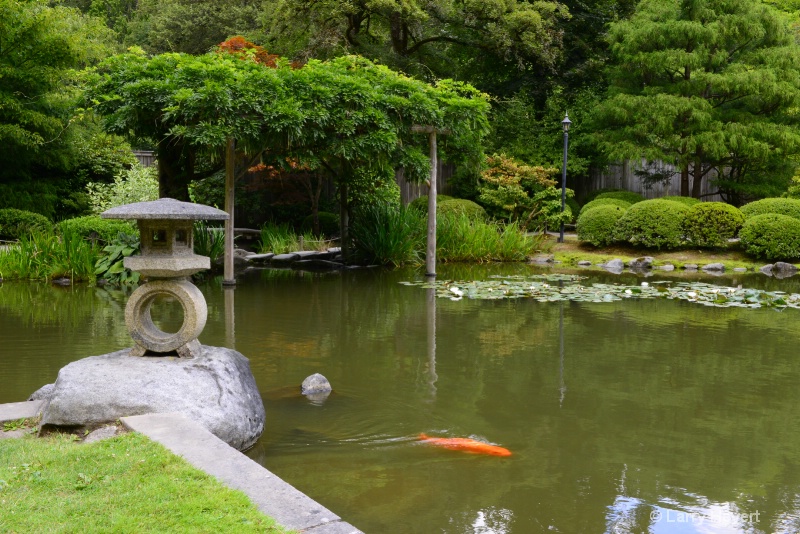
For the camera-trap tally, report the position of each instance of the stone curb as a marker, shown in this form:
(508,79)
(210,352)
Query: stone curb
(20,410)
(274,497)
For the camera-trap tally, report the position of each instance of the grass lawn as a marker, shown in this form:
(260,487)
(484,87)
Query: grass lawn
(571,252)
(123,484)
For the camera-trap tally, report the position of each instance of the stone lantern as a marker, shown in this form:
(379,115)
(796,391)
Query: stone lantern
(167,260)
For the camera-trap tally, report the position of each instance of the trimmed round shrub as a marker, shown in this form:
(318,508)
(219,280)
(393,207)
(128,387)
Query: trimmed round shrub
(627,196)
(598,224)
(605,202)
(687,201)
(653,224)
(421,203)
(16,223)
(771,236)
(711,224)
(782,206)
(94,226)
(328,223)
(461,206)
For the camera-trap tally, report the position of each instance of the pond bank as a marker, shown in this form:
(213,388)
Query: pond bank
(272,496)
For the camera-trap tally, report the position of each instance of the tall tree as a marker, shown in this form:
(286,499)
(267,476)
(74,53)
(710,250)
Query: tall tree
(40,48)
(702,84)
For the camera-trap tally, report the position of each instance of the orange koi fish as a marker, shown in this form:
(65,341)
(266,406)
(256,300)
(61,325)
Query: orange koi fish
(466,445)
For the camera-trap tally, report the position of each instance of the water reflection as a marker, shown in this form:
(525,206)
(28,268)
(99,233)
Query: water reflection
(613,411)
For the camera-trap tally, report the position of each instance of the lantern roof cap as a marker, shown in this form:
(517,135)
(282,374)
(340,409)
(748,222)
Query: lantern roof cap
(165,208)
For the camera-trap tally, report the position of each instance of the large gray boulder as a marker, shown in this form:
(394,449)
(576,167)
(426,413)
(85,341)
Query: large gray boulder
(216,389)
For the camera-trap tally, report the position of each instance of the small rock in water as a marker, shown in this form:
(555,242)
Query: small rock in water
(766,269)
(584,263)
(784,270)
(643,263)
(690,267)
(667,267)
(714,267)
(316,387)
(615,266)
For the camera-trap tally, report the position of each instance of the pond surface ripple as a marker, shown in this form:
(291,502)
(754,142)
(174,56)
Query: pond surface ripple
(631,415)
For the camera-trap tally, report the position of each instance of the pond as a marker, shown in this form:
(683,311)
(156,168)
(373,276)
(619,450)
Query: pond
(627,416)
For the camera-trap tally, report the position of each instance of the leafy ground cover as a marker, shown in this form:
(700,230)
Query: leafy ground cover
(124,484)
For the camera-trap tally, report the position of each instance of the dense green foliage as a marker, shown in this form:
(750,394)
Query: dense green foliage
(783,206)
(653,224)
(771,236)
(687,201)
(598,225)
(15,223)
(461,206)
(46,256)
(628,196)
(137,184)
(508,187)
(605,202)
(421,203)
(460,238)
(704,84)
(388,235)
(110,265)
(712,224)
(92,226)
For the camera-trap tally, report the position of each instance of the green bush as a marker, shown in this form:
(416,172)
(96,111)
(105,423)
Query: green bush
(619,194)
(627,196)
(328,223)
(597,225)
(782,206)
(711,224)
(653,224)
(771,236)
(15,223)
(137,184)
(686,201)
(387,234)
(93,226)
(461,205)
(421,203)
(605,202)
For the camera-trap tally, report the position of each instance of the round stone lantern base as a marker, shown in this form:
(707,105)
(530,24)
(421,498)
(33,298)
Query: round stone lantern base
(148,337)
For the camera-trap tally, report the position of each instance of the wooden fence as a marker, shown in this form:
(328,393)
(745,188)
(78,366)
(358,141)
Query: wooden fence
(409,191)
(627,176)
(146,157)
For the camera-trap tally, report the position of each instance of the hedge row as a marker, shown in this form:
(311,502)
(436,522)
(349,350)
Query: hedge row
(660,224)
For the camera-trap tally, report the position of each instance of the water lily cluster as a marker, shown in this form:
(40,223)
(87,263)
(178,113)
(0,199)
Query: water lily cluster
(555,288)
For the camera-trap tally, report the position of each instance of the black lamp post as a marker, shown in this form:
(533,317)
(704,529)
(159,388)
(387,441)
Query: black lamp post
(564,124)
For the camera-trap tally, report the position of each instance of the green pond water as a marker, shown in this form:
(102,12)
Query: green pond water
(628,416)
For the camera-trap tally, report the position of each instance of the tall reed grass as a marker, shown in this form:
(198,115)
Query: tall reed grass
(45,256)
(460,238)
(280,239)
(388,235)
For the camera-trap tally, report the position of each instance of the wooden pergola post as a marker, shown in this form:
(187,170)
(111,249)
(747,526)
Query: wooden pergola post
(228,278)
(430,253)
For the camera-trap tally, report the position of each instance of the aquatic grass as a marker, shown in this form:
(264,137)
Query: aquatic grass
(460,238)
(123,484)
(277,238)
(388,235)
(45,255)
(209,240)
(560,287)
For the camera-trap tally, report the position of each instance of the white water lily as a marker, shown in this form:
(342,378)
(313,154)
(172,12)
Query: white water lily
(715,290)
(628,292)
(692,294)
(645,284)
(455,291)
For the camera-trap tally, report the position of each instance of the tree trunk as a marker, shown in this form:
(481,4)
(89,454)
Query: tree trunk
(685,181)
(698,178)
(175,170)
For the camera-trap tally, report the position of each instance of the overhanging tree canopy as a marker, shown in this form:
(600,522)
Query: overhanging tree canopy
(345,112)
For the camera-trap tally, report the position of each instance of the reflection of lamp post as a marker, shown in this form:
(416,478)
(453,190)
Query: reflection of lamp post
(564,124)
